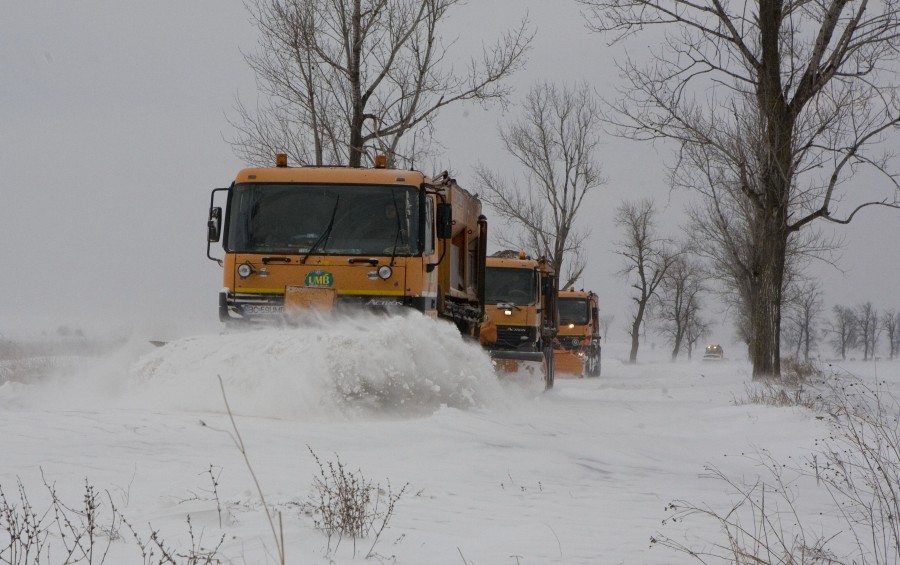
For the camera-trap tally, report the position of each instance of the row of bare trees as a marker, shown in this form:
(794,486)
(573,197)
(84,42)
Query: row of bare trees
(669,280)
(862,328)
(773,107)
(666,279)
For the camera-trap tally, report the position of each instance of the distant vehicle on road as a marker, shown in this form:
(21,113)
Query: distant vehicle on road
(713,353)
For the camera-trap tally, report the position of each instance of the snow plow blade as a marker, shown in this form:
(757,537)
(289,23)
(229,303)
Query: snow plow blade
(533,356)
(568,364)
(520,364)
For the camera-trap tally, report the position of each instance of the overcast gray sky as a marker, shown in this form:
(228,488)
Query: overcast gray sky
(113,120)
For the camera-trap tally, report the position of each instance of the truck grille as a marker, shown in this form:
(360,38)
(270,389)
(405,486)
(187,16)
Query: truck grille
(516,337)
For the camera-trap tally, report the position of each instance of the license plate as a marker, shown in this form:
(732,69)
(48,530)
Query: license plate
(263,309)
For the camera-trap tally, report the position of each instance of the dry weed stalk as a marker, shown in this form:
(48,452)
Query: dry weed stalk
(345,503)
(239,443)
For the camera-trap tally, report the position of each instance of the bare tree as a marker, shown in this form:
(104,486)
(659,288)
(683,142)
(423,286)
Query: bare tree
(647,259)
(821,82)
(605,323)
(697,329)
(867,323)
(343,79)
(891,324)
(729,230)
(678,301)
(804,307)
(556,144)
(843,330)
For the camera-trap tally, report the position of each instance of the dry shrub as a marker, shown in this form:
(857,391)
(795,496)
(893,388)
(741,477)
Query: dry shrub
(800,384)
(345,503)
(83,534)
(857,463)
(763,526)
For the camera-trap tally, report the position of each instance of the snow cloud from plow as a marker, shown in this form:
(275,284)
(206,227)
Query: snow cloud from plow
(398,366)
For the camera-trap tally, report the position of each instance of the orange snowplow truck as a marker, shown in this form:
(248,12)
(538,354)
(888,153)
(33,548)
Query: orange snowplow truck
(298,239)
(520,300)
(578,341)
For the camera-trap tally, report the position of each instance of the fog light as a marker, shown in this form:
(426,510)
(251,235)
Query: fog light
(385,272)
(245,270)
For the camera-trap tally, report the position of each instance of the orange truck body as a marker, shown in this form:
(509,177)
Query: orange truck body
(520,302)
(578,341)
(303,239)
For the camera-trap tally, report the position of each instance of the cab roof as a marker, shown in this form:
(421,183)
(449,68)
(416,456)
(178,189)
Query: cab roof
(330,175)
(511,263)
(575,293)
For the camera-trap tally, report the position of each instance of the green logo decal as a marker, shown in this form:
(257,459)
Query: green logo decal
(319,279)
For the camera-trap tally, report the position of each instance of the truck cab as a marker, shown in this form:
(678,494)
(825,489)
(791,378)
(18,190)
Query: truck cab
(298,240)
(520,301)
(578,341)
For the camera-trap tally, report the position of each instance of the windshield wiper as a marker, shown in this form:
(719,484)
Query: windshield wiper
(325,233)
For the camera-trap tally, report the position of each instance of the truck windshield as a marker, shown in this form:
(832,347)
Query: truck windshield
(573,311)
(327,219)
(502,284)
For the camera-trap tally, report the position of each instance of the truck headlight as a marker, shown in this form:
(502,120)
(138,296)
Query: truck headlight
(244,270)
(385,272)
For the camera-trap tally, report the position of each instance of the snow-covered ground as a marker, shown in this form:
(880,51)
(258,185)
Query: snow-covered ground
(496,471)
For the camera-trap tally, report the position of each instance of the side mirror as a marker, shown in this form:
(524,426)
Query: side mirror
(214,224)
(444,220)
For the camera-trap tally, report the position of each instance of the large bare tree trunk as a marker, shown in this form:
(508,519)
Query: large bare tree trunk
(357,103)
(636,333)
(776,176)
(766,287)
(678,340)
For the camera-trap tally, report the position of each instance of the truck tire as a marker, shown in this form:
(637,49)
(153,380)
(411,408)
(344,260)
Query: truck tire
(549,368)
(594,367)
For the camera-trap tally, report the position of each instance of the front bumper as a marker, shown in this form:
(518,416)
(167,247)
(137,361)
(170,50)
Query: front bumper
(269,308)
